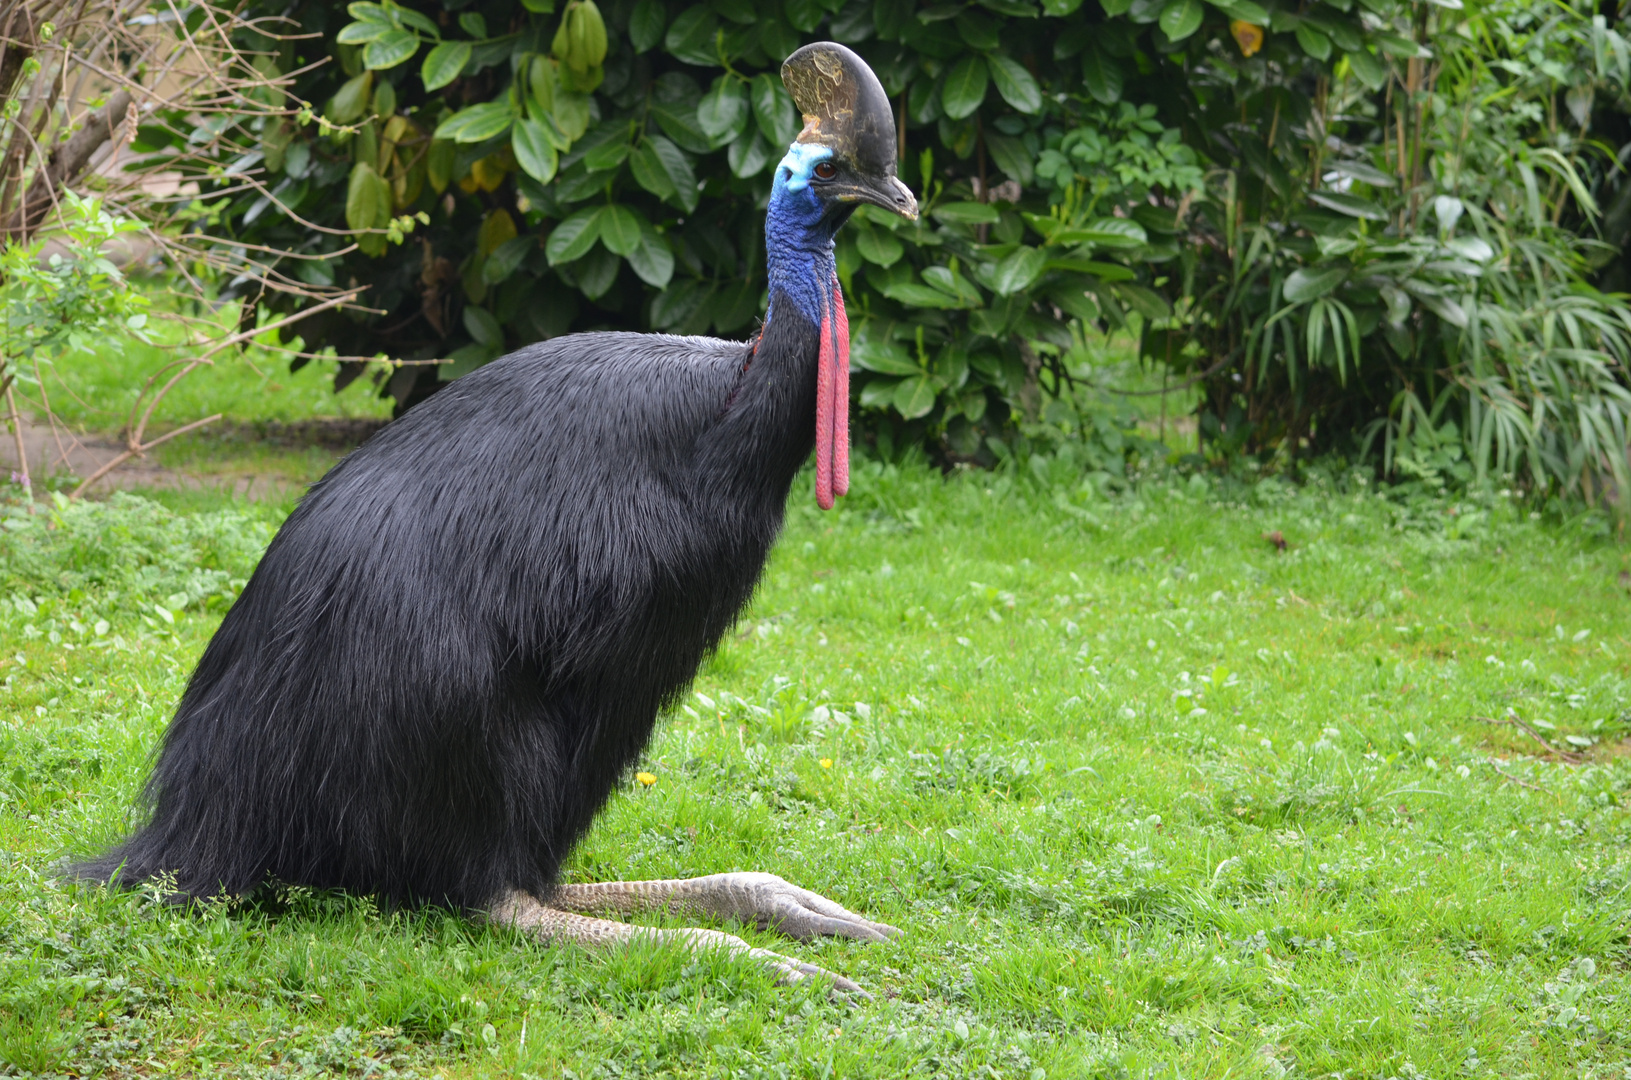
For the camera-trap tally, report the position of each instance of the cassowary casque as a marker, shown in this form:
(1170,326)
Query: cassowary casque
(437,675)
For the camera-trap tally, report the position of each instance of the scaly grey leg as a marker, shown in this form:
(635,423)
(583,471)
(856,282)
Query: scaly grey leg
(549,925)
(764,900)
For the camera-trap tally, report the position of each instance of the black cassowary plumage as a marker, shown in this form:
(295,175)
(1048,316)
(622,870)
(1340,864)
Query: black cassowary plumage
(462,637)
(445,661)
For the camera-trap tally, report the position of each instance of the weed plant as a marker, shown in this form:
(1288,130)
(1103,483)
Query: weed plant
(1150,796)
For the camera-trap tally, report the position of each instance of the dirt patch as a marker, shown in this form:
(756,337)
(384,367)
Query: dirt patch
(57,454)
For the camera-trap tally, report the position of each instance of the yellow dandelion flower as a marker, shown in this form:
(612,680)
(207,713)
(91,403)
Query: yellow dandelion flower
(1247,35)
(646,779)
(826,763)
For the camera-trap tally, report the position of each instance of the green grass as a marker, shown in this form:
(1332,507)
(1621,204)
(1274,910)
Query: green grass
(92,392)
(1148,797)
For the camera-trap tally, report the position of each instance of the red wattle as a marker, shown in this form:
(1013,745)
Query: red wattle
(825,379)
(840,455)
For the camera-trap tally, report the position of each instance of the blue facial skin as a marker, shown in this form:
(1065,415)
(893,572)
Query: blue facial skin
(798,235)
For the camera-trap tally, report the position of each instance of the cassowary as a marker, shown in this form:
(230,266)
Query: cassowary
(461,639)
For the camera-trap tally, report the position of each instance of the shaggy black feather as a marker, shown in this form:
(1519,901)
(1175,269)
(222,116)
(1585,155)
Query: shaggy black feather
(462,637)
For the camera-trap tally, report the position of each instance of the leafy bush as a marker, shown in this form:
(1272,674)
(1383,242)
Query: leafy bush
(1055,149)
(1304,209)
(1406,279)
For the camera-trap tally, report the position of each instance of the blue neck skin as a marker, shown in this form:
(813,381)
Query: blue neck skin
(799,237)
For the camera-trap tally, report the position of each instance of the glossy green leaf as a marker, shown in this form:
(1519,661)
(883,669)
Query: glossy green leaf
(1076,302)
(723,111)
(1362,171)
(1352,205)
(1313,42)
(803,14)
(1310,283)
(878,393)
(1110,233)
(1009,154)
(351,100)
(950,281)
(1181,18)
(914,295)
(573,237)
(1367,68)
(367,199)
(680,172)
(1471,247)
(444,63)
(1102,270)
(647,22)
(749,155)
(1244,10)
(361,33)
(649,172)
(773,109)
(1101,74)
(534,150)
(571,114)
(878,246)
(607,155)
(596,272)
(363,11)
(965,87)
(691,37)
(413,20)
(652,260)
(1016,85)
(390,49)
(1396,45)
(1398,304)
(914,396)
(482,327)
(1017,272)
(678,304)
(1445,308)
(620,229)
(883,357)
(478,123)
(1147,302)
(966,213)
(506,259)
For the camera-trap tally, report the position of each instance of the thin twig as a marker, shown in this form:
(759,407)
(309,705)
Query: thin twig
(1521,783)
(22,451)
(1514,720)
(126,455)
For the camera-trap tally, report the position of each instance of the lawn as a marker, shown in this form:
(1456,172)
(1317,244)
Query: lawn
(1149,796)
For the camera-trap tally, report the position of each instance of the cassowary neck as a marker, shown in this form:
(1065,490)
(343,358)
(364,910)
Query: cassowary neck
(768,428)
(799,252)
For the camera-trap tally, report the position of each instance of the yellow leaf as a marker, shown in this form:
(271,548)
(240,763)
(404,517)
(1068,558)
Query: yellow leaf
(498,228)
(1247,35)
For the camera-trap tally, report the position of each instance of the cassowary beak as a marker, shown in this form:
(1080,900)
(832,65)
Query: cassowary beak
(887,192)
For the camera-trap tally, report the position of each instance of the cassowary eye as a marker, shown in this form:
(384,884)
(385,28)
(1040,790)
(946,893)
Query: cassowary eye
(825,170)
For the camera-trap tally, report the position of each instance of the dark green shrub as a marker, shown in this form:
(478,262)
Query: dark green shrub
(1282,202)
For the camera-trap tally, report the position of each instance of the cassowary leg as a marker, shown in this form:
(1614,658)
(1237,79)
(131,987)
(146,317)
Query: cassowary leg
(764,900)
(549,925)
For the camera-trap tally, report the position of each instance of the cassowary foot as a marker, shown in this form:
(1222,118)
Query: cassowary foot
(551,924)
(764,900)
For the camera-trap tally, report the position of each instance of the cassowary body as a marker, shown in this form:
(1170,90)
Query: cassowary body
(462,637)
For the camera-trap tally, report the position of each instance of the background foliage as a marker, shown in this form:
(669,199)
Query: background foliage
(1357,226)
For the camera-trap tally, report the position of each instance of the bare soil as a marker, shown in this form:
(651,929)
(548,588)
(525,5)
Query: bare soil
(57,453)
